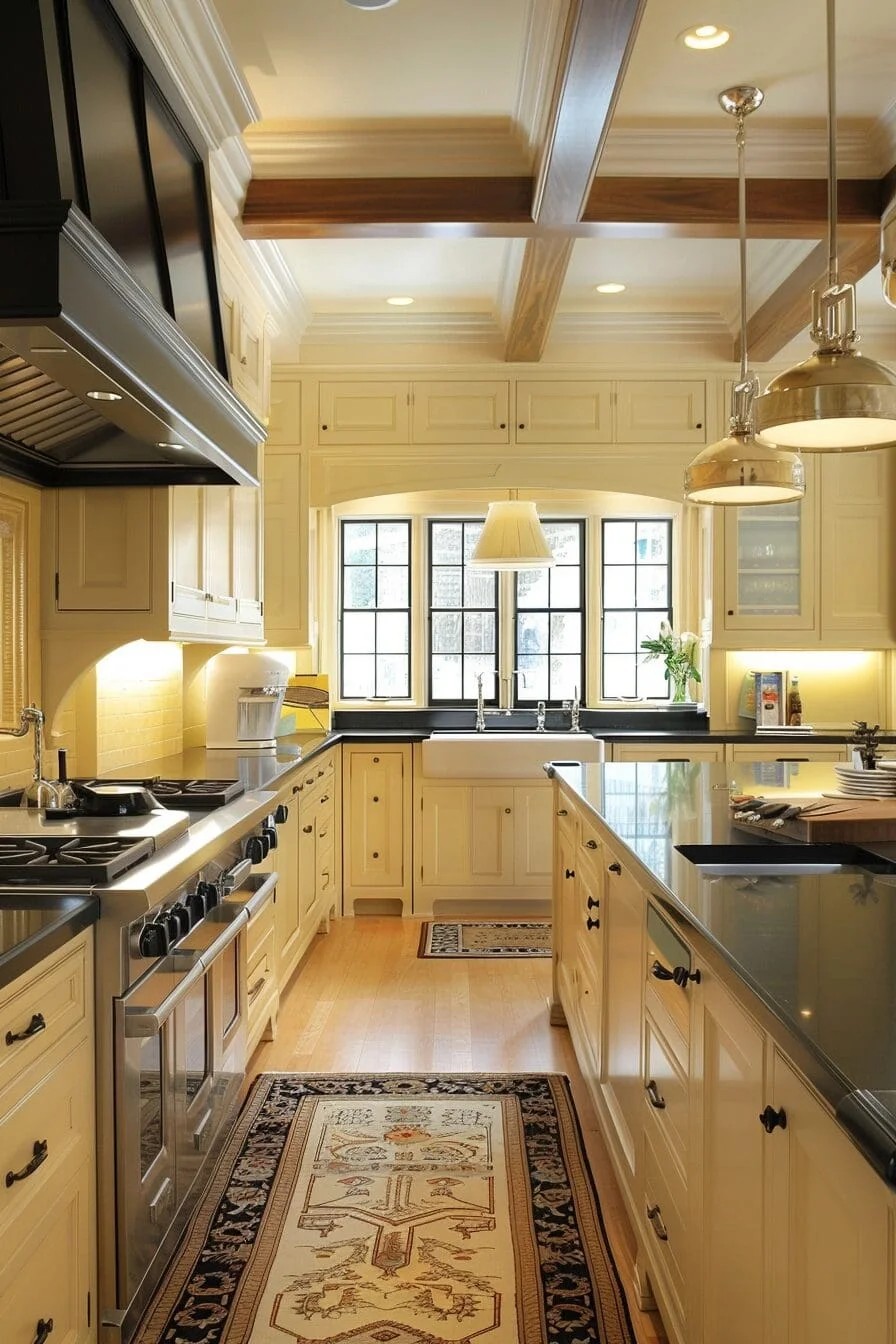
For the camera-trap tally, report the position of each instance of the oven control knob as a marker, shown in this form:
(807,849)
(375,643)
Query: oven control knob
(256,849)
(281,814)
(184,919)
(195,903)
(172,924)
(212,894)
(269,833)
(153,940)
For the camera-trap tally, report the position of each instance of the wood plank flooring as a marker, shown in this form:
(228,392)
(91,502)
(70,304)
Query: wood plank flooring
(362,1001)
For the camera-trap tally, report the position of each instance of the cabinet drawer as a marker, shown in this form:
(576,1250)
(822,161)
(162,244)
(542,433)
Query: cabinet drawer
(260,975)
(669,1087)
(669,956)
(664,1223)
(47,1268)
(57,996)
(260,927)
(56,1117)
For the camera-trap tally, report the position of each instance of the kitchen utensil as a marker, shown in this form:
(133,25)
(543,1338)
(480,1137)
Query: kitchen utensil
(96,799)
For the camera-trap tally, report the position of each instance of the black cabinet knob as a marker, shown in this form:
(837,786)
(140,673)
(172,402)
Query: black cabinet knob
(281,814)
(592,844)
(570,872)
(592,923)
(771,1119)
(593,904)
(615,868)
(376,854)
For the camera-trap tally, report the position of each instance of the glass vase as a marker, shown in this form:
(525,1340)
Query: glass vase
(679,684)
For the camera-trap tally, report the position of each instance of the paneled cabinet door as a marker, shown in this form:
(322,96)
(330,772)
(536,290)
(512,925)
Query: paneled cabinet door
(187,504)
(830,1228)
(564,412)
(729,1086)
(491,835)
(285,549)
(364,413)
(859,551)
(622,926)
(247,553)
(374,794)
(474,412)
(445,835)
(661,412)
(220,566)
(532,810)
(287,909)
(102,546)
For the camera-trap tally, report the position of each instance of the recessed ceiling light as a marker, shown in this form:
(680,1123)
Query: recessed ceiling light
(104,396)
(705,37)
(610,287)
(400,300)
(371,4)
(178,447)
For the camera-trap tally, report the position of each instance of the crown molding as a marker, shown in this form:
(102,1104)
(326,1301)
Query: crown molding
(230,172)
(402,328)
(460,146)
(288,304)
(801,151)
(199,58)
(633,327)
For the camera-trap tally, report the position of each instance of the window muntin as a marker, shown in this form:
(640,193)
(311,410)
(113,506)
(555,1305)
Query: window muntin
(463,616)
(636,588)
(549,628)
(375,609)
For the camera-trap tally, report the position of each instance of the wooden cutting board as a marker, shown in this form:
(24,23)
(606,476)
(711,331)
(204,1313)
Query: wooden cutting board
(857,820)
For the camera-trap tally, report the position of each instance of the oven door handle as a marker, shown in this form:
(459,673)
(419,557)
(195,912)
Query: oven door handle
(232,929)
(260,895)
(141,1021)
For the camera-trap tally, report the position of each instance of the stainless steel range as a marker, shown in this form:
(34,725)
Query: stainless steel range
(176,893)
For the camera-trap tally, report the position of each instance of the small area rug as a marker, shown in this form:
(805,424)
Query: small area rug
(401,1209)
(470,938)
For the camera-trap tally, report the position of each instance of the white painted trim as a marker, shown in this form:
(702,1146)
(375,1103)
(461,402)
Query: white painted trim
(544,40)
(772,151)
(402,328)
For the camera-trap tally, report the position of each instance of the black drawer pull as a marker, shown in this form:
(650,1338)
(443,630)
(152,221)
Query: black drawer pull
(325,798)
(770,1119)
(681,975)
(591,844)
(592,923)
(36,1024)
(570,872)
(653,1093)
(615,868)
(306,830)
(257,988)
(40,1150)
(593,904)
(562,812)
(44,1330)
(656,1222)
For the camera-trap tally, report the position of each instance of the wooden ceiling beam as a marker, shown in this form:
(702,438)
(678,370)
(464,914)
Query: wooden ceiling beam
(599,38)
(787,312)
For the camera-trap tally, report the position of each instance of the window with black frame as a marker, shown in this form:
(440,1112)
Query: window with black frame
(636,595)
(463,616)
(549,639)
(375,609)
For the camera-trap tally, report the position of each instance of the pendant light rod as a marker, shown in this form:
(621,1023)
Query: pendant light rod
(739,102)
(833,259)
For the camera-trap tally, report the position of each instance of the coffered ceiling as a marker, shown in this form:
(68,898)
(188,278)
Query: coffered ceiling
(446,150)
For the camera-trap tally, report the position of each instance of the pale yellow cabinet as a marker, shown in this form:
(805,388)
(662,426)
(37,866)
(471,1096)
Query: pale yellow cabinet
(287,521)
(661,412)
(183,561)
(787,752)
(48,1220)
(420,412)
(830,1228)
(857,549)
(622,927)
(669,751)
(376,810)
(247,337)
(563,412)
(769,567)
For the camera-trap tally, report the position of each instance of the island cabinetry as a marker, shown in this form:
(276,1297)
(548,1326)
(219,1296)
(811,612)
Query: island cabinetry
(578,945)
(787,752)
(483,841)
(660,750)
(262,985)
(377,830)
(47,1146)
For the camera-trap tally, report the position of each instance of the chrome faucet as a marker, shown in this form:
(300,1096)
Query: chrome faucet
(480,701)
(539,717)
(39,792)
(574,711)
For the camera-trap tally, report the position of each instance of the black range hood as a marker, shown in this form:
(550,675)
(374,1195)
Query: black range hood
(112,358)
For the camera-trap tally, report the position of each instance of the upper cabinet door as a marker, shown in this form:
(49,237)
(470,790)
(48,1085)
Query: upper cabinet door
(359,413)
(661,412)
(474,412)
(859,550)
(564,412)
(103,543)
(285,425)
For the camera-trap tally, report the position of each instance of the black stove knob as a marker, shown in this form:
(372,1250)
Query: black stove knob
(154,940)
(172,924)
(211,891)
(195,903)
(184,919)
(269,833)
(256,849)
(281,814)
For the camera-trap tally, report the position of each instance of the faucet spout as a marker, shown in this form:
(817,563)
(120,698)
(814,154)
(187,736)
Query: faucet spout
(39,792)
(480,700)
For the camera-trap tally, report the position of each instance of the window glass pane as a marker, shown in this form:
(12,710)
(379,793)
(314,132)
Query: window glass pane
(446,677)
(472,533)
(392,586)
(652,586)
(620,632)
(446,544)
(619,542)
(358,631)
(565,540)
(649,625)
(653,541)
(446,632)
(619,675)
(566,588)
(392,675)
(636,587)
(447,587)
(564,677)
(392,632)
(479,632)
(358,543)
(550,616)
(358,675)
(473,665)
(392,540)
(619,586)
(359,587)
(566,634)
(652,679)
(533,588)
(532,628)
(480,589)
(537,681)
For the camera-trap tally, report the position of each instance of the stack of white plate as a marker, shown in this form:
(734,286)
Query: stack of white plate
(866,783)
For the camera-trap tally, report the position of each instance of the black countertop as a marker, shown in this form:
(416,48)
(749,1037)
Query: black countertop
(33,927)
(818,948)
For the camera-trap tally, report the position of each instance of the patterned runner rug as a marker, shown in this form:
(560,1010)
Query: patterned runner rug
(470,938)
(402,1209)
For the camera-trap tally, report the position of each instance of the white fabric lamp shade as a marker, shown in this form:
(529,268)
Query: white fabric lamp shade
(512,538)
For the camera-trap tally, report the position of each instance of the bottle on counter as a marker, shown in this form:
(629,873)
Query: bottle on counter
(794,704)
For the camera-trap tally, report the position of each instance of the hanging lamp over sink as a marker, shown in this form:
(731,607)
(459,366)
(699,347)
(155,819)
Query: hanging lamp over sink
(512,537)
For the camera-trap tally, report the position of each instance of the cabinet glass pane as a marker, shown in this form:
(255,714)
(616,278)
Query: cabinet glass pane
(768,560)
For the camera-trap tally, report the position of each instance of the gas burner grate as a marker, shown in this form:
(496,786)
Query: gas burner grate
(189,793)
(60,860)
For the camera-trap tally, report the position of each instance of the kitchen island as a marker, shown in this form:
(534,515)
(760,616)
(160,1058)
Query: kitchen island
(734,1022)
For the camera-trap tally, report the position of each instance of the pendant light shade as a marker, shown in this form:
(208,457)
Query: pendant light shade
(512,538)
(837,401)
(739,469)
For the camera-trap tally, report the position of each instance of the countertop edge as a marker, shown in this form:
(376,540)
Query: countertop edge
(76,914)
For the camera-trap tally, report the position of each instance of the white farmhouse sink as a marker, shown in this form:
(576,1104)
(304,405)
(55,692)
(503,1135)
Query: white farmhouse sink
(496,755)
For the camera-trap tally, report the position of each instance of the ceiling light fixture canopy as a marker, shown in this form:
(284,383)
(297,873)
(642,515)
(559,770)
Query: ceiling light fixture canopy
(512,537)
(836,401)
(738,469)
(371,4)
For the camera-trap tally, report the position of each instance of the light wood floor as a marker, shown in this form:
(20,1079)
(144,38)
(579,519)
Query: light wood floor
(362,1001)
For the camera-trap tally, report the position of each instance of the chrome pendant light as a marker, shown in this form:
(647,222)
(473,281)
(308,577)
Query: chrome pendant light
(738,469)
(512,537)
(836,401)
